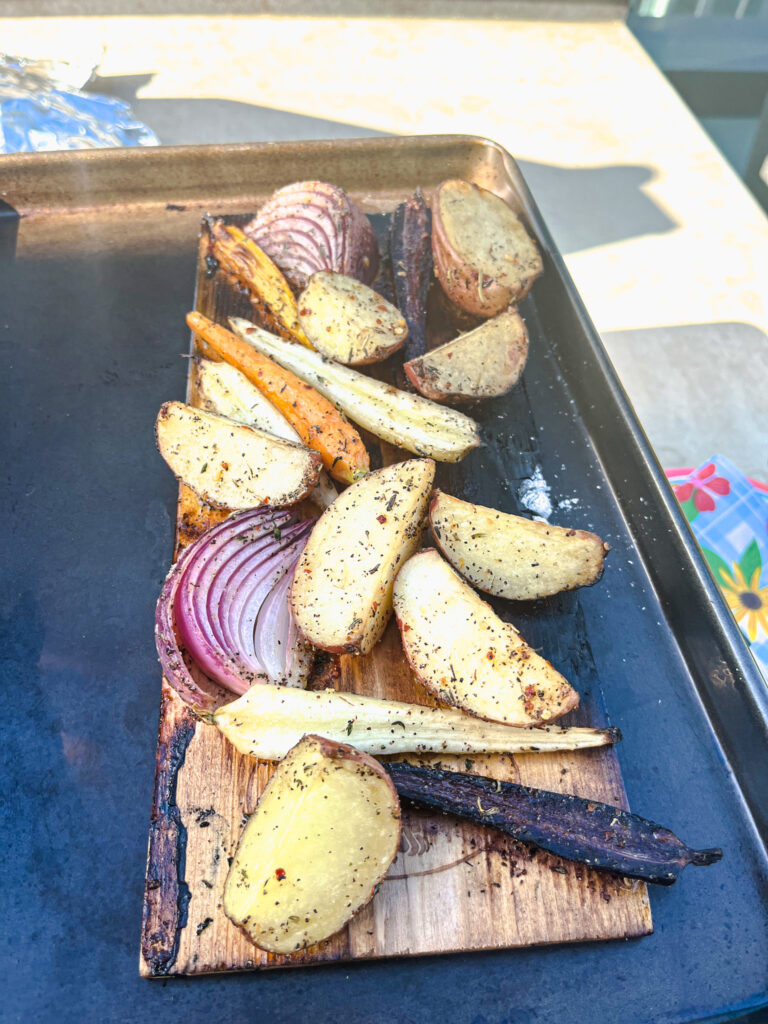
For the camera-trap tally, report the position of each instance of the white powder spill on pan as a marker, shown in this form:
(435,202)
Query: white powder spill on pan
(534,495)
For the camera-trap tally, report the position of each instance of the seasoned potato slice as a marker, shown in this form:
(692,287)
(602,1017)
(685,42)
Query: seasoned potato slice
(484,257)
(225,391)
(342,589)
(461,651)
(324,833)
(512,557)
(348,321)
(480,364)
(231,465)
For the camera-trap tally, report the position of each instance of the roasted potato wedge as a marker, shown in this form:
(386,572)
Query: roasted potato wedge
(323,835)
(342,589)
(225,391)
(464,654)
(480,364)
(509,556)
(484,258)
(348,321)
(231,465)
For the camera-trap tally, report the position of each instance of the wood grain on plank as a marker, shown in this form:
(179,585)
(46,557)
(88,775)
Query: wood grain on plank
(453,887)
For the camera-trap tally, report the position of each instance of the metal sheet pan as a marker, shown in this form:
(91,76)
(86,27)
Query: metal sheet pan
(100,277)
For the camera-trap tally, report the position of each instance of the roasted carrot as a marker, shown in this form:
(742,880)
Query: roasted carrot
(241,258)
(316,420)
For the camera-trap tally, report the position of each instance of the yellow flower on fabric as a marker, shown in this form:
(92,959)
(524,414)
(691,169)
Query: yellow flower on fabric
(746,599)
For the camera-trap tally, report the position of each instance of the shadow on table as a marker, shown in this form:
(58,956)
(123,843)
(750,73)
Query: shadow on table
(585,207)
(698,389)
(189,122)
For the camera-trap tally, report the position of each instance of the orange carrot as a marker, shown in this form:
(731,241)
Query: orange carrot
(316,420)
(242,259)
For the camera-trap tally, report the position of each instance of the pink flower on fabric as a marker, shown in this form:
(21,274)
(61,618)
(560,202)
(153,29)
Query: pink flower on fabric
(702,484)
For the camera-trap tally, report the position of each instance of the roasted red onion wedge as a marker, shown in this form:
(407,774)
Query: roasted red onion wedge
(311,226)
(223,618)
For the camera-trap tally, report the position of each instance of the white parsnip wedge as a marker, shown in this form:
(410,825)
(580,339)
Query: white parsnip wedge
(464,654)
(400,417)
(324,833)
(483,363)
(231,465)
(225,391)
(510,556)
(268,720)
(348,321)
(341,596)
(222,389)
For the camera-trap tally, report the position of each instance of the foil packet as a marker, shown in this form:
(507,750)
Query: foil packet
(43,108)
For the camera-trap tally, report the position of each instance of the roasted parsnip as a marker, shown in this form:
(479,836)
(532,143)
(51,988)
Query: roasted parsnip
(404,419)
(268,720)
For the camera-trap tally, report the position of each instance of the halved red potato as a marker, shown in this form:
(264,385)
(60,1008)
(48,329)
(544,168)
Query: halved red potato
(483,363)
(484,258)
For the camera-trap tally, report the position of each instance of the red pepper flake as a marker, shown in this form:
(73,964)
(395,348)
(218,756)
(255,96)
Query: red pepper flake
(225,465)
(490,655)
(381,519)
(406,627)
(280,874)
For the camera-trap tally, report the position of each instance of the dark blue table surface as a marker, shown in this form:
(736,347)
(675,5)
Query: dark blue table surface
(91,343)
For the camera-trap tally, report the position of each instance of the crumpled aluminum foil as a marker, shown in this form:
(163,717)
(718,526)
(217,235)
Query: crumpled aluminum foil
(41,108)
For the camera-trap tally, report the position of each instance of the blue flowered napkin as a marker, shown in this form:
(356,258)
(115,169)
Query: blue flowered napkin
(728,514)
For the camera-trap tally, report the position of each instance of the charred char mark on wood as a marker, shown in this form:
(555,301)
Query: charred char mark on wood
(167,895)
(570,827)
(411,255)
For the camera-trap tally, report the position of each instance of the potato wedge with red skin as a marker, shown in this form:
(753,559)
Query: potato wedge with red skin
(348,321)
(323,835)
(341,596)
(484,258)
(465,655)
(482,363)
(509,556)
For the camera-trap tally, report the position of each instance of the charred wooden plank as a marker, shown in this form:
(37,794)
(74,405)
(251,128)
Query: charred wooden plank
(581,830)
(166,893)
(411,253)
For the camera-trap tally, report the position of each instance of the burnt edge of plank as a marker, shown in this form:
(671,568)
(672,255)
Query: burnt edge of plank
(166,893)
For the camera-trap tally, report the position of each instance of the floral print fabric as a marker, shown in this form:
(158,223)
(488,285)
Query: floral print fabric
(729,517)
